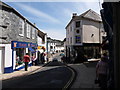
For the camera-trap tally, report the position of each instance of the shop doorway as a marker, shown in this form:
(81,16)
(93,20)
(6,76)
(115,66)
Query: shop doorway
(2,59)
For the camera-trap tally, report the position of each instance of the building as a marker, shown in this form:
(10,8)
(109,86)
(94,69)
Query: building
(18,37)
(54,45)
(84,34)
(42,44)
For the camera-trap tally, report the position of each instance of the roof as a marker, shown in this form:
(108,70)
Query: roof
(89,14)
(41,34)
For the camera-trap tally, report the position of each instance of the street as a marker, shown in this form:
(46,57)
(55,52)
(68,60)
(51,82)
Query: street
(54,75)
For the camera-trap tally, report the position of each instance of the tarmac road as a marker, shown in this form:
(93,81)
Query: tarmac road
(54,75)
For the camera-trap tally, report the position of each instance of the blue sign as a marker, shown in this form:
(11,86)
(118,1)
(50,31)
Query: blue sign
(17,44)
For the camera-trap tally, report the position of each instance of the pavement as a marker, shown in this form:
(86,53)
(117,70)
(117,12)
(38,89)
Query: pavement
(85,75)
(23,72)
(84,79)
(20,72)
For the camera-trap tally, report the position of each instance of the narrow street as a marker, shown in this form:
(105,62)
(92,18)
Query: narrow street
(54,75)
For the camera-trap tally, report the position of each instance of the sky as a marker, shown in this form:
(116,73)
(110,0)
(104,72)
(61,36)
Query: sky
(52,17)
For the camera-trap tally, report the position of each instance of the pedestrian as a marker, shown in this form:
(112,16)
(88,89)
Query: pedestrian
(102,69)
(26,60)
(33,59)
(63,58)
(42,58)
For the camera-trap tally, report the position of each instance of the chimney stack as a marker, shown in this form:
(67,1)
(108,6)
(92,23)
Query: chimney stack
(34,24)
(74,14)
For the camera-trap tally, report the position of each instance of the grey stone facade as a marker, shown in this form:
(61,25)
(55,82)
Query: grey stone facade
(10,26)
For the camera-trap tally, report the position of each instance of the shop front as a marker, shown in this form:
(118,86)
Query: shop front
(41,50)
(19,49)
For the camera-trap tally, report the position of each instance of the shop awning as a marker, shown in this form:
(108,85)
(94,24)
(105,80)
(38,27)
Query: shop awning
(32,50)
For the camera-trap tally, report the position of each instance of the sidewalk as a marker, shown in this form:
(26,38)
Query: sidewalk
(23,72)
(20,72)
(85,75)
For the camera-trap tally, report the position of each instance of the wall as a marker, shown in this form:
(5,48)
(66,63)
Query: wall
(89,28)
(69,34)
(11,20)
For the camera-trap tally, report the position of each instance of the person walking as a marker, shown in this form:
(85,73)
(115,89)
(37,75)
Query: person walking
(33,59)
(26,60)
(102,69)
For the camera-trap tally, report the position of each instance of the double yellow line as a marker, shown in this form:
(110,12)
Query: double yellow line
(70,80)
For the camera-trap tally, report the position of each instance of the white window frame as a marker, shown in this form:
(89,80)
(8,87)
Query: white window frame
(21,26)
(33,33)
(28,29)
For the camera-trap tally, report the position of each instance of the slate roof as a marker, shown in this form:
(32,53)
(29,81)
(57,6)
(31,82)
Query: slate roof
(90,14)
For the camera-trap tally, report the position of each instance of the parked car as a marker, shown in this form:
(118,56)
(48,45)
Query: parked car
(62,54)
(55,60)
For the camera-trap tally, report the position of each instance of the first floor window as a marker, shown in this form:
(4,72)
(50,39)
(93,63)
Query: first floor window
(21,27)
(28,30)
(78,39)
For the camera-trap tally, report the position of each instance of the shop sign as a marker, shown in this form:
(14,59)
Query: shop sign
(17,44)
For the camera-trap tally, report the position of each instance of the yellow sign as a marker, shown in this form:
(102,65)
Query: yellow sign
(15,45)
(39,47)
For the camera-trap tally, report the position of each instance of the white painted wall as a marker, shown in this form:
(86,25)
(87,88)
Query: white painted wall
(69,34)
(89,28)
(8,55)
(14,60)
(60,48)
(39,40)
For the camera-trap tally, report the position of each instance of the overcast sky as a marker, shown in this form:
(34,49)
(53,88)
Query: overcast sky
(52,17)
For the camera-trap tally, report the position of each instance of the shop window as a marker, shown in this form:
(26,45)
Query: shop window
(19,56)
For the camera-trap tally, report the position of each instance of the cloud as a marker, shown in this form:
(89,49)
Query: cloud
(37,13)
(54,0)
(55,33)
(82,7)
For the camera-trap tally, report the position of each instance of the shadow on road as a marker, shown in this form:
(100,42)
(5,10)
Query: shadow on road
(51,78)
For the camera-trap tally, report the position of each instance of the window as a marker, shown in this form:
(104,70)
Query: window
(70,28)
(68,40)
(77,23)
(28,30)
(78,39)
(21,27)
(77,31)
(68,31)
(33,33)
(71,40)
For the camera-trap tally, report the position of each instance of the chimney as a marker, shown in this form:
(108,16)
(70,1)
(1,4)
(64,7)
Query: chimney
(34,24)
(74,14)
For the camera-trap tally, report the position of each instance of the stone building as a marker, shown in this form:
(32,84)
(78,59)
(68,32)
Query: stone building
(84,34)
(18,36)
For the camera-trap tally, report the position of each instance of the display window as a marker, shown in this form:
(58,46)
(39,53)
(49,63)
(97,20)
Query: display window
(19,56)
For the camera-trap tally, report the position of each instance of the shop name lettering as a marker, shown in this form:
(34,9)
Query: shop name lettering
(22,45)
(32,45)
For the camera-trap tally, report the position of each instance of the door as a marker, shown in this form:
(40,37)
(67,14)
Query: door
(2,59)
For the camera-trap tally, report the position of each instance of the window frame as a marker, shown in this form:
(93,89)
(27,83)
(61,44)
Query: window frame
(28,29)
(21,27)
